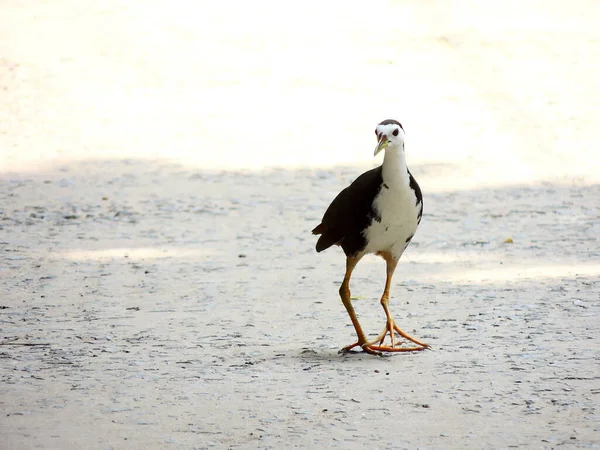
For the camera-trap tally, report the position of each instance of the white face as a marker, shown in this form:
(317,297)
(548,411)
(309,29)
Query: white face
(393,132)
(389,135)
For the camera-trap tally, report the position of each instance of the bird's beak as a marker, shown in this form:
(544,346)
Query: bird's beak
(383,143)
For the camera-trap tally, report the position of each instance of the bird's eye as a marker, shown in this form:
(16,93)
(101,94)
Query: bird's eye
(395,132)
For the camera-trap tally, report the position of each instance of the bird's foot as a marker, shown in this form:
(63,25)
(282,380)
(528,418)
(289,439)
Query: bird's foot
(365,347)
(391,329)
(373,349)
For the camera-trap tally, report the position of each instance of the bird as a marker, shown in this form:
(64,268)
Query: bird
(377,214)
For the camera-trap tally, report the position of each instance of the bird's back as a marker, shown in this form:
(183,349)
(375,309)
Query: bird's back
(350,213)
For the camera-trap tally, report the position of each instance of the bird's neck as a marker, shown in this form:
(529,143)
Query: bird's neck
(394,170)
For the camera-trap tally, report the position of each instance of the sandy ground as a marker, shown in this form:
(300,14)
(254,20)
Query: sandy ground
(162,165)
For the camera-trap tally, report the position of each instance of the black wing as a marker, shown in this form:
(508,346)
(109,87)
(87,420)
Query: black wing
(350,213)
(415,187)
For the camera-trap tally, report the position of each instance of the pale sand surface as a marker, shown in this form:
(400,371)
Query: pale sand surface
(162,165)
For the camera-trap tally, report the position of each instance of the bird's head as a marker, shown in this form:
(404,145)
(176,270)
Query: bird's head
(390,134)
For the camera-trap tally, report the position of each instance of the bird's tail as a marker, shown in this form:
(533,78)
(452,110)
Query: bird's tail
(326,240)
(319,229)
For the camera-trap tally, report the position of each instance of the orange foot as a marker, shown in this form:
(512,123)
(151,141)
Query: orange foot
(375,347)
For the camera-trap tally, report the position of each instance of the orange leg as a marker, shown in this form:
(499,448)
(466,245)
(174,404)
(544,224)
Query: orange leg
(376,345)
(391,326)
(351,263)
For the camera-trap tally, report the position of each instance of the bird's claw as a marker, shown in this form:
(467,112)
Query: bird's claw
(366,347)
(378,350)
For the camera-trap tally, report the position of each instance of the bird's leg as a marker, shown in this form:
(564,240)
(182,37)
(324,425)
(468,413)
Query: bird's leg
(391,264)
(351,262)
(391,326)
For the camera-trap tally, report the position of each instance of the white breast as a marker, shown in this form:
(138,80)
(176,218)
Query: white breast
(399,212)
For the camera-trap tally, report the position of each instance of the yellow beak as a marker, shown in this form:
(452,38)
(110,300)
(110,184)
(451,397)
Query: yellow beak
(383,143)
